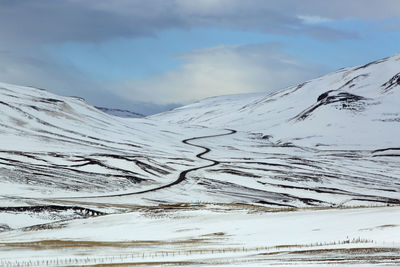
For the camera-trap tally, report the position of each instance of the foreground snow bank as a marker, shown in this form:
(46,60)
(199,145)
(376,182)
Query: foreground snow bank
(210,234)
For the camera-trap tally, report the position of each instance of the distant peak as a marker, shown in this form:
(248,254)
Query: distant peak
(120,112)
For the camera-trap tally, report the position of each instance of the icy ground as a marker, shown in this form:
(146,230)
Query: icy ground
(307,175)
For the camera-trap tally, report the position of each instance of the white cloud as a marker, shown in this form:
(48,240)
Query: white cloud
(221,70)
(49,21)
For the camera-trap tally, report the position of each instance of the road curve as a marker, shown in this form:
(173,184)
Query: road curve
(182,176)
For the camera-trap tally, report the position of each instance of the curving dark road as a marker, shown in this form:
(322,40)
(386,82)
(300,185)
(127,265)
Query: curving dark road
(182,176)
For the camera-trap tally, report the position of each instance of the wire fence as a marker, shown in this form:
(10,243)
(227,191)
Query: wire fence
(169,256)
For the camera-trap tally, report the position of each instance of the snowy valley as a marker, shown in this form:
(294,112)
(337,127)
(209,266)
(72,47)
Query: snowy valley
(306,175)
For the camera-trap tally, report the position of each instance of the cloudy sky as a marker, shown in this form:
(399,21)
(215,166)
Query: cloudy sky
(150,55)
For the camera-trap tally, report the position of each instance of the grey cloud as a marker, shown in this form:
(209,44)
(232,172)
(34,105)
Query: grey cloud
(25,25)
(329,34)
(39,73)
(43,21)
(96,20)
(354,9)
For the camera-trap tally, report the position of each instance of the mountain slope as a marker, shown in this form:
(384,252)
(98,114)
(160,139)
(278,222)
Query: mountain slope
(330,141)
(351,108)
(209,183)
(120,112)
(59,146)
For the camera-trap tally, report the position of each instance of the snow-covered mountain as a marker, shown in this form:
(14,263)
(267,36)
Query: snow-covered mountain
(120,112)
(327,146)
(328,141)
(61,146)
(356,107)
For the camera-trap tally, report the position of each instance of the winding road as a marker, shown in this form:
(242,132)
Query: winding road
(182,176)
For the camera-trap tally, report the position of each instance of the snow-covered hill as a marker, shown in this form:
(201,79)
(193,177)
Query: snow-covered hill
(120,112)
(330,143)
(356,107)
(60,146)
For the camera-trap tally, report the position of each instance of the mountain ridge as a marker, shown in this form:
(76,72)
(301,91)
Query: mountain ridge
(120,112)
(350,94)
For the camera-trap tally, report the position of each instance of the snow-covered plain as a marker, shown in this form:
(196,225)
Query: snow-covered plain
(214,234)
(307,175)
